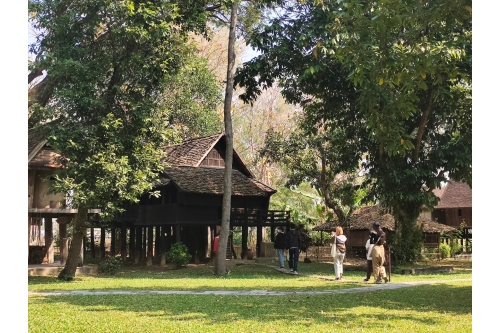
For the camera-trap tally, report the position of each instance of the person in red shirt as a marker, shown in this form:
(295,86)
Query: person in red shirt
(216,245)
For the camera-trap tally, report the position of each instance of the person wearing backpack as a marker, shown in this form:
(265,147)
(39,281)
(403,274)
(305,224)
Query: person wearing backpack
(338,252)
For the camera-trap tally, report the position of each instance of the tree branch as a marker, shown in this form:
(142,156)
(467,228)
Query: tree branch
(421,127)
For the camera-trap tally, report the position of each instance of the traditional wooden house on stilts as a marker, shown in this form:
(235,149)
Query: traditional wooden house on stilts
(44,208)
(189,208)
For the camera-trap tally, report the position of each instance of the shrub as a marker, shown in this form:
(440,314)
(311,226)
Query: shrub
(445,250)
(456,248)
(406,249)
(109,265)
(179,254)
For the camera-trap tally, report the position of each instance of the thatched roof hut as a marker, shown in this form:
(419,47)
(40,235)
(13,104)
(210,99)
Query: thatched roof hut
(362,220)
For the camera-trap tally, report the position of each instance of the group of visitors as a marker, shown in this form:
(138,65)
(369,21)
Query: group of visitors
(289,245)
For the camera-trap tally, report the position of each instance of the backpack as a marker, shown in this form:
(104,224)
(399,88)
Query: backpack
(340,246)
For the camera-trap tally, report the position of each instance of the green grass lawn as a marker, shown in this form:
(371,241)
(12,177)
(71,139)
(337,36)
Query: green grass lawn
(443,306)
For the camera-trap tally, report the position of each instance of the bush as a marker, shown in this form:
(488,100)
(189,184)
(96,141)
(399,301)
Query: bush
(445,250)
(406,249)
(179,254)
(456,248)
(109,265)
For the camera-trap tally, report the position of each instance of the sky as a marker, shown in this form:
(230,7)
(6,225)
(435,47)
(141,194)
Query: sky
(13,131)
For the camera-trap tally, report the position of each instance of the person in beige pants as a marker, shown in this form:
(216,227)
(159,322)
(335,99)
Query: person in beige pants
(378,254)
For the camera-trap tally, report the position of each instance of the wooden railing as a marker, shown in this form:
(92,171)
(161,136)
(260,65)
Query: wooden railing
(273,218)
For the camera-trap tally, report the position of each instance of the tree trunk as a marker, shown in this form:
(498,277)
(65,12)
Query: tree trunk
(220,267)
(79,228)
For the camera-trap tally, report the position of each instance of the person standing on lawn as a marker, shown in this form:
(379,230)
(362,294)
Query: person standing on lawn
(293,244)
(280,246)
(378,254)
(338,252)
(369,248)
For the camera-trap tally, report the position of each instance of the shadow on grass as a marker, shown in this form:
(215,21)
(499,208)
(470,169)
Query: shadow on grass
(427,305)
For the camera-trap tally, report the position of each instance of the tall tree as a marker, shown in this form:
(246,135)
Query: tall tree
(220,267)
(105,65)
(403,69)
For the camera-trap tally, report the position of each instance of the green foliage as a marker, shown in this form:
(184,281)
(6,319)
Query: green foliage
(406,245)
(455,248)
(444,250)
(179,254)
(107,64)
(469,246)
(109,265)
(389,82)
(192,98)
(299,201)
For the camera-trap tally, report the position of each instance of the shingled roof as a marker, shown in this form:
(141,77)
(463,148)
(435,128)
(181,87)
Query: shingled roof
(211,181)
(39,154)
(454,195)
(191,152)
(363,219)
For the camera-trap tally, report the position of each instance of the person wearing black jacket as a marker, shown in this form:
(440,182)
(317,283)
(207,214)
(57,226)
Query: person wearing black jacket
(280,246)
(293,244)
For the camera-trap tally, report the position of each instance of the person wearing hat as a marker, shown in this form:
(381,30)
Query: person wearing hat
(378,254)
(280,246)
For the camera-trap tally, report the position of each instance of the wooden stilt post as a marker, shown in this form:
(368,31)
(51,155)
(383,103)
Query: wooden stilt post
(49,247)
(113,240)
(163,260)
(92,243)
(123,237)
(149,259)
(138,244)
(131,244)
(103,243)
(63,239)
(157,248)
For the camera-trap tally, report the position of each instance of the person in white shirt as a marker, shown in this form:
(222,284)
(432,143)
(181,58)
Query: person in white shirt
(369,247)
(338,252)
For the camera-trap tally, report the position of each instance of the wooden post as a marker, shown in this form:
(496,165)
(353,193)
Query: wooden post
(123,236)
(113,240)
(131,244)
(390,259)
(163,260)
(168,235)
(149,260)
(49,247)
(103,243)
(143,244)
(63,239)
(138,244)
(157,249)
(259,240)
(177,233)
(92,244)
